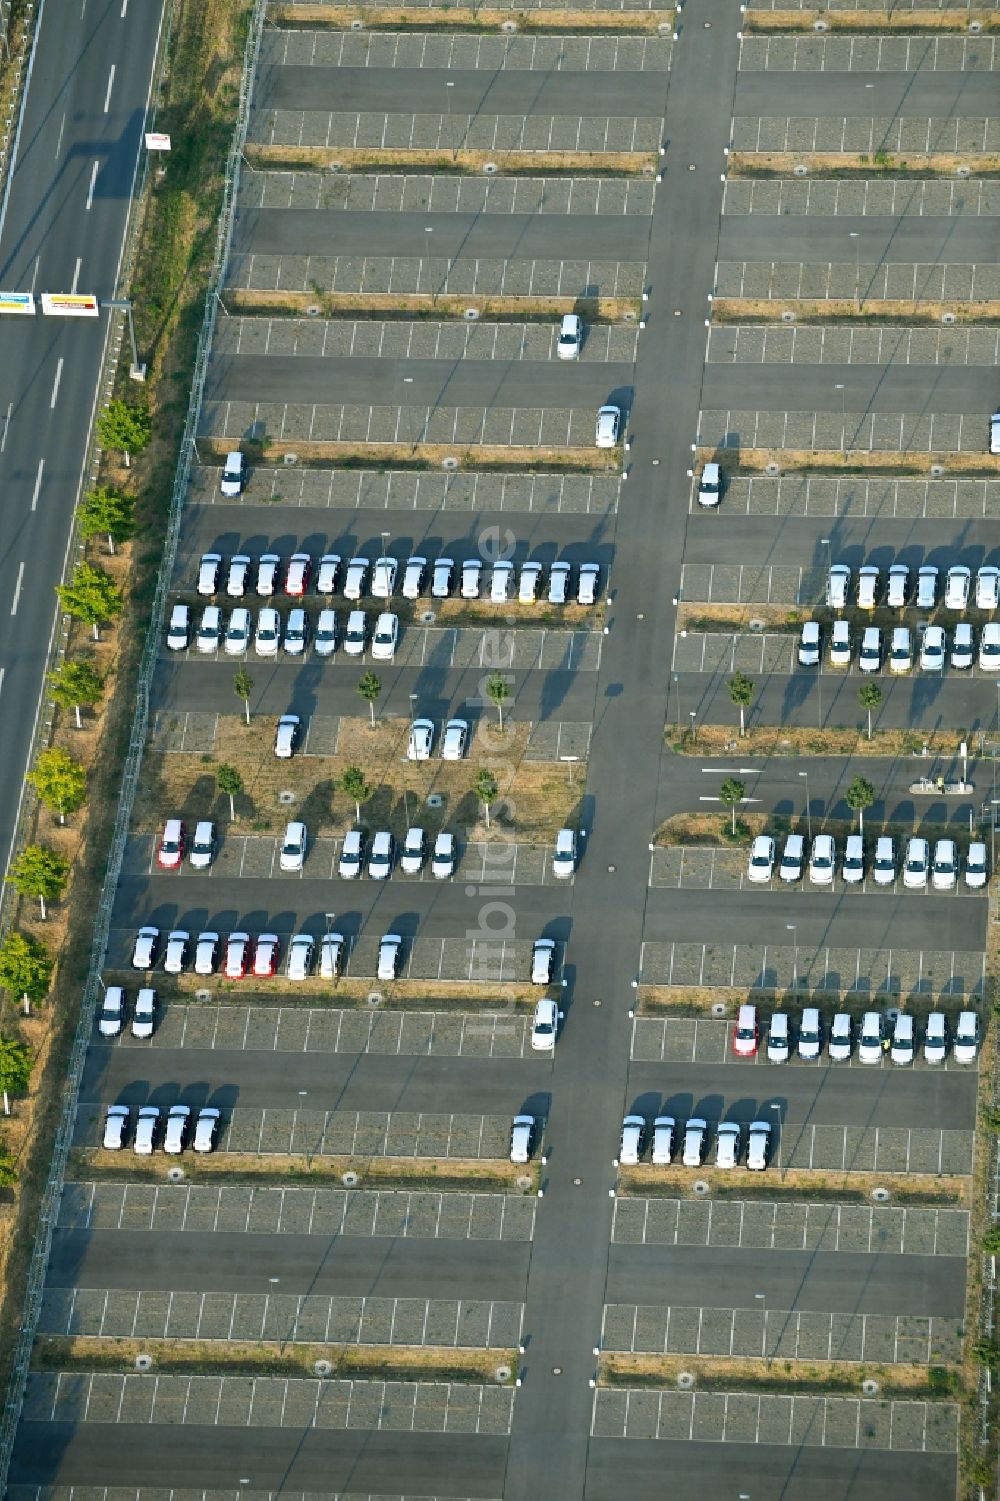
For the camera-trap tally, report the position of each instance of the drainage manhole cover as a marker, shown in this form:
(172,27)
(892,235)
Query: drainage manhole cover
(489,168)
(820,26)
(203,995)
(937,470)
(665,28)
(948,318)
(757,624)
(700,1186)
(508,26)
(289,458)
(323,1368)
(557,1370)
(427,617)
(502,1374)
(286,796)
(449,463)
(685,1380)
(975,25)
(772,468)
(312,311)
(472,313)
(144,1362)
(718,1008)
(375,997)
(175,1174)
(963,171)
(334,166)
(523,1181)
(630,316)
(434,800)
(788,316)
(881,1195)
(800,170)
(349,1180)
(869,1387)
(356,25)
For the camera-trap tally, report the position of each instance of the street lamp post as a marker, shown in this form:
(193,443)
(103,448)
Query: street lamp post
(809,828)
(329,922)
(124,305)
(677,690)
(692,713)
(795,957)
(570,763)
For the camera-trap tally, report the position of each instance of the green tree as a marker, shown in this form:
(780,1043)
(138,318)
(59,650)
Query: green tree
(859,796)
(243,687)
(869,697)
(486,787)
(91,596)
(991,1242)
(15,1069)
(731,794)
(230,783)
(60,781)
(8,1172)
(741,693)
(41,872)
(498,692)
(108,512)
(125,428)
(76,682)
(354,784)
(25,967)
(370,687)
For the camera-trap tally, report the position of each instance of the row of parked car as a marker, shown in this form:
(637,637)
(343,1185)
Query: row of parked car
(894,1036)
(919,865)
(176,1129)
(270,575)
(898,592)
(268,634)
(929,642)
(730,1145)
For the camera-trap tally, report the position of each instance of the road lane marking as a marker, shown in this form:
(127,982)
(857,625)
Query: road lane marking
(38,484)
(2,671)
(34,275)
(17,589)
(111,84)
(90,191)
(76,276)
(55,384)
(124,8)
(6,426)
(62,127)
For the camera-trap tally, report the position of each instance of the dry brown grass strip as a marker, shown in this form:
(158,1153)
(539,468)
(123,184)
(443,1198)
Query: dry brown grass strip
(855,461)
(777,1376)
(297,1168)
(471,18)
(859,164)
(443,306)
(799,740)
(864,22)
(816,1184)
(428,455)
(423,995)
(681,1001)
(811,310)
(358,158)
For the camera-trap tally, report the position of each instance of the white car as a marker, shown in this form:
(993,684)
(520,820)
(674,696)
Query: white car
(414,575)
(522,1137)
(380,855)
(202,851)
(111,1017)
(633,1140)
(390,951)
(265,956)
(233,474)
(810,1034)
(916,866)
(544,1026)
(559,576)
(352,855)
(902,1047)
(238,631)
(472,573)
(206,953)
(963,646)
(384,578)
(441,578)
(694,1142)
(838,586)
(179,628)
(296,633)
(237,959)
(936,1038)
(147,941)
(976,867)
(956,591)
(386,637)
(898,586)
(932,649)
(175,1135)
(208,573)
(325,639)
(944,868)
(327,573)
(867,587)
(901,650)
(609,421)
(286,736)
(411,858)
(268,632)
(728,1142)
(663,1140)
(989,647)
(209,632)
(356,633)
(176,954)
(146,1127)
(840,644)
(809,644)
(870,655)
(171,849)
(965,1048)
(293,846)
(206,1128)
(301,952)
(570,337)
(421,741)
(456,733)
(144,1015)
(758,1145)
(841,1038)
(501,582)
(355,578)
(268,566)
(792,857)
(884,862)
(588,584)
(988,588)
(709,486)
(543,959)
(443,857)
(822,860)
(995,433)
(115,1128)
(853,869)
(778,1038)
(761,864)
(870,1040)
(331,951)
(927,580)
(564,855)
(527,589)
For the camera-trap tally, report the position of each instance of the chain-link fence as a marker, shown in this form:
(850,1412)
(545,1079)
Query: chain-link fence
(53,1189)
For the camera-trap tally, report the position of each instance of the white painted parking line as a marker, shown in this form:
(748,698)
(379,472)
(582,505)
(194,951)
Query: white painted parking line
(705,1039)
(776,655)
(868,54)
(909,499)
(708,867)
(432,52)
(868,136)
(879,196)
(844,431)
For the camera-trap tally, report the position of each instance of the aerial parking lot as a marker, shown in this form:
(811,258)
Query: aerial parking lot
(436,1102)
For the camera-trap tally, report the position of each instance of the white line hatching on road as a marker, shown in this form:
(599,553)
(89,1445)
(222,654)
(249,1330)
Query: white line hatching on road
(90,191)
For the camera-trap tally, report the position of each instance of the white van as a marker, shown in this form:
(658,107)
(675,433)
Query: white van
(936,1038)
(778,1038)
(810,1034)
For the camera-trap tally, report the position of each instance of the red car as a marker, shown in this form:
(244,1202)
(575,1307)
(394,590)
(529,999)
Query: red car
(746,1035)
(237,956)
(297,577)
(265,959)
(172,844)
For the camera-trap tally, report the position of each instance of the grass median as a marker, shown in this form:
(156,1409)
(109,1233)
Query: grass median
(472,18)
(813,1185)
(429,305)
(781,1377)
